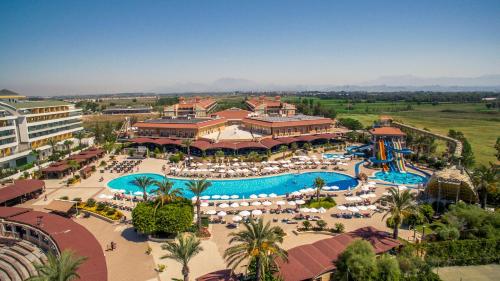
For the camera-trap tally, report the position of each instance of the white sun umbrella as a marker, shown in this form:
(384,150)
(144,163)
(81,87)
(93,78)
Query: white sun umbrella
(371,195)
(286,165)
(235,196)
(254,169)
(224,197)
(303,190)
(256,203)
(267,203)
(402,187)
(365,188)
(234,205)
(342,207)
(364,196)
(239,170)
(221,171)
(235,159)
(237,218)
(215,196)
(256,212)
(262,195)
(372,207)
(243,164)
(102,196)
(244,204)
(362,208)
(296,193)
(209,164)
(223,205)
(205,197)
(291,203)
(300,202)
(273,195)
(326,188)
(253,196)
(138,193)
(310,189)
(236,165)
(322,210)
(230,171)
(211,212)
(372,183)
(204,204)
(211,170)
(313,210)
(244,213)
(304,210)
(221,214)
(353,209)
(280,203)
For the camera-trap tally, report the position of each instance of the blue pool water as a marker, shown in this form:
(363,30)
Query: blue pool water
(400,178)
(279,184)
(333,155)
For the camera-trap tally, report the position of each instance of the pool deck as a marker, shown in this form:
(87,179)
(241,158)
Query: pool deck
(129,262)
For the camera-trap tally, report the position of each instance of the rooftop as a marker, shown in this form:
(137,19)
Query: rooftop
(387,131)
(294,118)
(36,104)
(233,113)
(192,123)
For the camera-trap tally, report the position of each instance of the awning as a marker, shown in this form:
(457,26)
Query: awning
(60,206)
(20,188)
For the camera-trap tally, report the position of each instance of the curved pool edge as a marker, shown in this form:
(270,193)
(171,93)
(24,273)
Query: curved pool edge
(358,182)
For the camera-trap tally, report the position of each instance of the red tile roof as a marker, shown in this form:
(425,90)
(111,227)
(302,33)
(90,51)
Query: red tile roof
(20,188)
(233,113)
(67,234)
(308,261)
(221,275)
(387,131)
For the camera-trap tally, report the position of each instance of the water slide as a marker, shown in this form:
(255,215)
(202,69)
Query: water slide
(357,150)
(399,156)
(383,155)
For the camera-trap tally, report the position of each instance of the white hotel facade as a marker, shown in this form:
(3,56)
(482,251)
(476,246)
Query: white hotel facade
(29,125)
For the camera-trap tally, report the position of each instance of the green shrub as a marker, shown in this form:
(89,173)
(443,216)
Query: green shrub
(171,218)
(64,198)
(321,224)
(110,212)
(142,218)
(174,158)
(306,225)
(90,202)
(77,199)
(462,252)
(339,227)
(100,206)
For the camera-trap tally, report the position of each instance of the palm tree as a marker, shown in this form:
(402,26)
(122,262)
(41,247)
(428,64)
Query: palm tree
(401,205)
(486,180)
(166,192)
(187,143)
(283,149)
(182,251)
(219,154)
(143,182)
(258,244)
(67,144)
(36,154)
(74,166)
(318,184)
(61,268)
(294,147)
(197,187)
(79,136)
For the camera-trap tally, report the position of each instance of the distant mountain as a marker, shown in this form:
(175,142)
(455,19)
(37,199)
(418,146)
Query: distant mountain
(5,92)
(382,84)
(415,81)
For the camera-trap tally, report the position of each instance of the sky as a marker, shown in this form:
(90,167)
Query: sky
(106,46)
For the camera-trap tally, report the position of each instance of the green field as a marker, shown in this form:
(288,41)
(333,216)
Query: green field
(480,125)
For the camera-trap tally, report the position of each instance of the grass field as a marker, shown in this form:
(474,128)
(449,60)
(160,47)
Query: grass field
(480,125)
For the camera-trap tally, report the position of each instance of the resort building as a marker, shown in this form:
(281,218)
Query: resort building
(286,126)
(180,128)
(270,106)
(192,107)
(28,125)
(127,110)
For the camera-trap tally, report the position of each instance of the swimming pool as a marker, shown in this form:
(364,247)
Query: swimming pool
(400,178)
(333,156)
(279,184)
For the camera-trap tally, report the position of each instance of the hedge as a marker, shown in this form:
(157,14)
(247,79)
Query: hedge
(173,217)
(462,252)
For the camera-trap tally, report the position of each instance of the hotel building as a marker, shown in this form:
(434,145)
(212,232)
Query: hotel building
(195,107)
(287,126)
(29,125)
(270,106)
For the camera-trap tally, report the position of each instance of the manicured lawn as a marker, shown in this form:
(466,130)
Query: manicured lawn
(325,203)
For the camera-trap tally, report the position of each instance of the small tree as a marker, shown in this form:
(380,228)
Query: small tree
(306,224)
(388,268)
(68,144)
(321,224)
(74,166)
(143,182)
(339,227)
(294,147)
(401,205)
(357,262)
(197,188)
(187,144)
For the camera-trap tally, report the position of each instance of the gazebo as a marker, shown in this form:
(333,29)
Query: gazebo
(452,184)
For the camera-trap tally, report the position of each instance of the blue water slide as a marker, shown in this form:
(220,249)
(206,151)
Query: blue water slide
(374,160)
(356,150)
(403,151)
